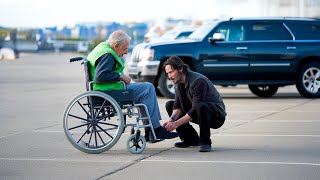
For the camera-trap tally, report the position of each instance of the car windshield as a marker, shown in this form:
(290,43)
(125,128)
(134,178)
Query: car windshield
(175,34)
(169,35)
(202,31)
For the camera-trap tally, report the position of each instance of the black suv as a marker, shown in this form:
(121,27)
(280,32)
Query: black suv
(265,53)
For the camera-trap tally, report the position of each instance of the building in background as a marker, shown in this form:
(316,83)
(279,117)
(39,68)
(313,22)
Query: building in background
(80,36)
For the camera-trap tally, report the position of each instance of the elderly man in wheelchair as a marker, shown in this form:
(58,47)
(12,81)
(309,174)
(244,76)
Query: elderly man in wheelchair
(95,120)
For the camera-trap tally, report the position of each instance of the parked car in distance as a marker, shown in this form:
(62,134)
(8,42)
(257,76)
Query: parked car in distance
(172,34)
(264,53)
(176,33)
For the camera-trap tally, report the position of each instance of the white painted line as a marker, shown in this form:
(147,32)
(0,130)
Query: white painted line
(270,135)
(272,120)
(262,111)
(236,162)
(11,134)
(42,131)
(61,160)
(231,135)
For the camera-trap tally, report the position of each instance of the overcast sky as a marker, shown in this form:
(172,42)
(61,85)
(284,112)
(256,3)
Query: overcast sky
(42,13)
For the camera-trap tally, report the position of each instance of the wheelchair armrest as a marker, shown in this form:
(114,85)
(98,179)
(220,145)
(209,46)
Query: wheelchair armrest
(91,82)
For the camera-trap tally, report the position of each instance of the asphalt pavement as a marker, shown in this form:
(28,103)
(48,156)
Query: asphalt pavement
(263,138)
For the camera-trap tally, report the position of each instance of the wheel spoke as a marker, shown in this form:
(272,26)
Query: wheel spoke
(105,131)
(317,76)
(84,133)
(78,117)
(96,115)
(311,73)
(317,87)
(84,109)
(79,126)
(306,81)
(108,124)
(95,135)
(90,137)
(106,116)
(309,87)
(306,76)
(101,138)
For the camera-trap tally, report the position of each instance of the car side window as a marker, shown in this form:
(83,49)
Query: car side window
(268,31)
(305,31)
(232,32)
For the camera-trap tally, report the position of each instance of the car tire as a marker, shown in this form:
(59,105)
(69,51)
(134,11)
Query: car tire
(166,87)
(263,90)
(308,80)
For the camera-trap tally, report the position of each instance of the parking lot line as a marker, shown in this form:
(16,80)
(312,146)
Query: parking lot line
(236,162)
(229,134)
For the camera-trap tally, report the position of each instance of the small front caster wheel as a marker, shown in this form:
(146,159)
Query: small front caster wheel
(136,145)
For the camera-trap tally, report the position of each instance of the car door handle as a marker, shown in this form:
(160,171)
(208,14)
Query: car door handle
(242,48)
(291,47)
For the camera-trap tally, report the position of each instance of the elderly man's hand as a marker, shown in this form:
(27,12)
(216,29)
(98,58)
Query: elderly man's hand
(125,79)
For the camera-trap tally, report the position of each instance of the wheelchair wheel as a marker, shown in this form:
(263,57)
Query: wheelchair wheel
(136,144)
(93,122)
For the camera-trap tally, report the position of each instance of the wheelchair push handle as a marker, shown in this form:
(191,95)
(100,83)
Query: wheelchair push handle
(76,59)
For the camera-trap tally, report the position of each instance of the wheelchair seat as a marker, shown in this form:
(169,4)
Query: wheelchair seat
(123,97)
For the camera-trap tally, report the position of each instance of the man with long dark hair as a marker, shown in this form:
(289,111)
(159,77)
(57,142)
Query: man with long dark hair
(197,101)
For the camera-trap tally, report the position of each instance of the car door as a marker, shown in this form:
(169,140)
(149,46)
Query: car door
(272,50)
(227,59)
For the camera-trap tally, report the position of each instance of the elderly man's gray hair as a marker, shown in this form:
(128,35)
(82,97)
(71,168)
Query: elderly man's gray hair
(117,37)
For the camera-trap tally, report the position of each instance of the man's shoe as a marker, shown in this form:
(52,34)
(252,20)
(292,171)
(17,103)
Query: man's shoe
(162,133)
(205,148)
(185,144)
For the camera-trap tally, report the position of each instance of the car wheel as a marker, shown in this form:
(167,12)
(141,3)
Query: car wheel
(308,82)
(166,86)
(263,90)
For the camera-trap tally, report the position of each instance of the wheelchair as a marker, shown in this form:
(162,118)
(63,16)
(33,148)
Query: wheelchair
(94,121)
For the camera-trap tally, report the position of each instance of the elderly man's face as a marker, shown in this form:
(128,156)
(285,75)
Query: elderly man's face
(122,49)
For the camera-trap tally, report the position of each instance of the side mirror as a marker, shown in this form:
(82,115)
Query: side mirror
(216,37)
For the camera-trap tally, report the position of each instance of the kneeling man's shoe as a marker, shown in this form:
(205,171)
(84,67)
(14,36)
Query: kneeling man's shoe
(205,148)
(185,144)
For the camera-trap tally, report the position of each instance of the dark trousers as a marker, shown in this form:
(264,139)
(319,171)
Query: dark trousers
(206,118)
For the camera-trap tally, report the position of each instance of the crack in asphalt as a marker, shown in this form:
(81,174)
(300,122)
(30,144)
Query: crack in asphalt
(132,163)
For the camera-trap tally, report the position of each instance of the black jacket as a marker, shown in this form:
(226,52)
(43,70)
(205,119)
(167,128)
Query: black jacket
(198,88)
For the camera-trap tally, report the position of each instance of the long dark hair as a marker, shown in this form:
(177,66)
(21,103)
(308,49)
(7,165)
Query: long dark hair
(176,63)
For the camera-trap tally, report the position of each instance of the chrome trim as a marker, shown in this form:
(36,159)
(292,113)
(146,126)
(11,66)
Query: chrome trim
(294,38)
(267,41)
(226,65)
(269,64)
(241,48)
(291,47)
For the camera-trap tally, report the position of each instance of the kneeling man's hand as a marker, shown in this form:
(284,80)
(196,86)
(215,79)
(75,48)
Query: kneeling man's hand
(170,125)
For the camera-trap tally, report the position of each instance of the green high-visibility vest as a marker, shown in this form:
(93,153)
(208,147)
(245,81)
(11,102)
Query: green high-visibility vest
(95,54)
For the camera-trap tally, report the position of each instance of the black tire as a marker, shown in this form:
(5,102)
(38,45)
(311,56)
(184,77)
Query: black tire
(166,87)
(308,80)
(263,90)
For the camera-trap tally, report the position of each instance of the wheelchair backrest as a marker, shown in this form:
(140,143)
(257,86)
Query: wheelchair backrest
(87,72)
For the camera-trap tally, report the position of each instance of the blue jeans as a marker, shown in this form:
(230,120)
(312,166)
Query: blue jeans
(144,93)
